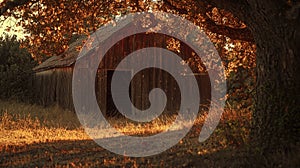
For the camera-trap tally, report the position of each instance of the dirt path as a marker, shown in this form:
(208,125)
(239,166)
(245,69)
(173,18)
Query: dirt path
(84,152)
(81,153)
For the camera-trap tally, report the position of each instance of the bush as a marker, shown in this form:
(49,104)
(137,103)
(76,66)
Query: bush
(15,69)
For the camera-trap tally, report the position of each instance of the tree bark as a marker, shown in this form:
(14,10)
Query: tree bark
(275,27)
(276,116)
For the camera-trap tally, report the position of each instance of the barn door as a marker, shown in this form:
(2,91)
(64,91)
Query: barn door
(111,109)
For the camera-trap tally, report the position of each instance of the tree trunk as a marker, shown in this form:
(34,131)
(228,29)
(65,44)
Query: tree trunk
(277,91)
(275,26)
(276,116)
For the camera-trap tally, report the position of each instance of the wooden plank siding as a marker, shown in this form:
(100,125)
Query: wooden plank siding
(53,85)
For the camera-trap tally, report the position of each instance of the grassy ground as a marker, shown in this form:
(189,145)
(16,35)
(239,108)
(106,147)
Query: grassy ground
(51,137)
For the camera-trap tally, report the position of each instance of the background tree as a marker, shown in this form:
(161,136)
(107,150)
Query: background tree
(15,69)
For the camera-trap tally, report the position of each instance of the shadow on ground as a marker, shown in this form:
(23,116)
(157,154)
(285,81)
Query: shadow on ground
(86,153)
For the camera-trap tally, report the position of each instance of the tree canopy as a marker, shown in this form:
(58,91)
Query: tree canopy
(51,24)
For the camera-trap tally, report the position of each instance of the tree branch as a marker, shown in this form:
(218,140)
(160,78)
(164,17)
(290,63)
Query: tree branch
(9,5)
(233,33)
(169,5)
(230,5)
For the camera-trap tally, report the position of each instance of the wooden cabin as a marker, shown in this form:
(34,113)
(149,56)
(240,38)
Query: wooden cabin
(53,78)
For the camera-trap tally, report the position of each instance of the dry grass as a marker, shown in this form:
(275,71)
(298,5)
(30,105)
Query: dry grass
(33,136)
(51,117)
(25,126)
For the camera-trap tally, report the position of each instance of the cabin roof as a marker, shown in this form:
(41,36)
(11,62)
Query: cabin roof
(69,57)
(66,59)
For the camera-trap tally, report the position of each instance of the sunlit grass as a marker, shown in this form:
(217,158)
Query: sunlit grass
(27,124)
(51,117)
(29,128)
